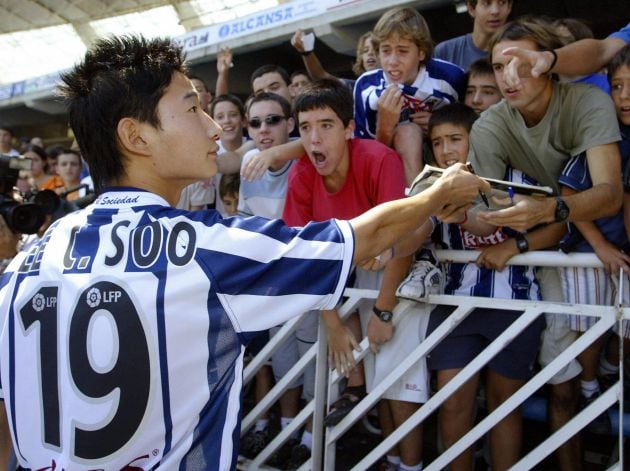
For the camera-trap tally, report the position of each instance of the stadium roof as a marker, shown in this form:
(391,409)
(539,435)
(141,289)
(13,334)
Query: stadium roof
(38,37)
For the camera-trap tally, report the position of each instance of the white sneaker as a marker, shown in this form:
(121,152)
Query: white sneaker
(425,278)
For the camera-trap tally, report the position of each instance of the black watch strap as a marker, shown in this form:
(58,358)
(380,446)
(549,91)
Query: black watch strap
(385,316)
(521,243)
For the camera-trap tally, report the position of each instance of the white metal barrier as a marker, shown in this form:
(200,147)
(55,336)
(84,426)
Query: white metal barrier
(326,381)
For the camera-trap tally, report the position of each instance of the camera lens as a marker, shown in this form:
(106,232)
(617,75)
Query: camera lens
(23,218)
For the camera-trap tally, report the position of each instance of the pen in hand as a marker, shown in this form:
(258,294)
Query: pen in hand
(481,193)
(511,194)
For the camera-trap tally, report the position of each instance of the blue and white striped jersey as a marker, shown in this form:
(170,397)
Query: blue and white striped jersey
(467,279)
(122,330)
(438,82)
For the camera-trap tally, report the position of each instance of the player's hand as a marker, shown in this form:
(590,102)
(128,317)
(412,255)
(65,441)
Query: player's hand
(495,257)
(341,343)
(526,213)
(296,41)
(453,214)
(524,64)
(613,258)
(224,59)
(389,106)
(378,332)
(8,240)
(421,118)
(256,167)
(459,187)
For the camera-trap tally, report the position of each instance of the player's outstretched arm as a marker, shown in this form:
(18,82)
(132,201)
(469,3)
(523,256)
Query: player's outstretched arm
(384,225)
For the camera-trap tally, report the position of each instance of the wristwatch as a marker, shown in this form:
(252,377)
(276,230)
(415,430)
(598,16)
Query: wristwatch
(562,210)
(521,243)
(385,316)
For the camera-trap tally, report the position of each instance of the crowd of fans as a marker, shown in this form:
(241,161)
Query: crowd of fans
(310,146)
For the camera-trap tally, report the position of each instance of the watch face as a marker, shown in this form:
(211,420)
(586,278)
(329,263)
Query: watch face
(562,210)
(386,316)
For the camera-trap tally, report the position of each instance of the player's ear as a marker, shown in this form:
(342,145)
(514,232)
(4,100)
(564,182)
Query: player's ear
(349,131)
(130,136)
(290,124)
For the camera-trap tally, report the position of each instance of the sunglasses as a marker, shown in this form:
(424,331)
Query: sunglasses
(270,120)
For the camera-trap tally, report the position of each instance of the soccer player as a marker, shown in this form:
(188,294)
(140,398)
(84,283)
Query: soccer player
(123,329)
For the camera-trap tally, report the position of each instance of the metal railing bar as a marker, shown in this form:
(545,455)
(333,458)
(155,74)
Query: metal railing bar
(519,397)
(279,388)
(438,398)
(371,399)
(572,427)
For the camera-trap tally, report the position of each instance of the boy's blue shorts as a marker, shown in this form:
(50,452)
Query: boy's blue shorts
(476,332)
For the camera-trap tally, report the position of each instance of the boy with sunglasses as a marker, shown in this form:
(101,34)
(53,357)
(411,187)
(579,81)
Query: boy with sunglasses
(269,124)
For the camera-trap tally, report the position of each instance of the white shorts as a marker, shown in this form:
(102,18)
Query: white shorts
(557,336)
(413,386)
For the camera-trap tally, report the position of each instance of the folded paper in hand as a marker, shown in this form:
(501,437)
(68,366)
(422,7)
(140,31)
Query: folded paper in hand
(430,174)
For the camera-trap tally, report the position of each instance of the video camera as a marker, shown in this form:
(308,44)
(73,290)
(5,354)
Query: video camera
(28,216)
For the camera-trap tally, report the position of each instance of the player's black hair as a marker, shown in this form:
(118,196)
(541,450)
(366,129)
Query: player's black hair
(264,96)
(267,69)
(621,58)
(119,77)
(236,101)
(457,114)
(324,93)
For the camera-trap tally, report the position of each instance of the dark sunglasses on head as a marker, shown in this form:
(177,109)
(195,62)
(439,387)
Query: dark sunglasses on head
(271,120)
